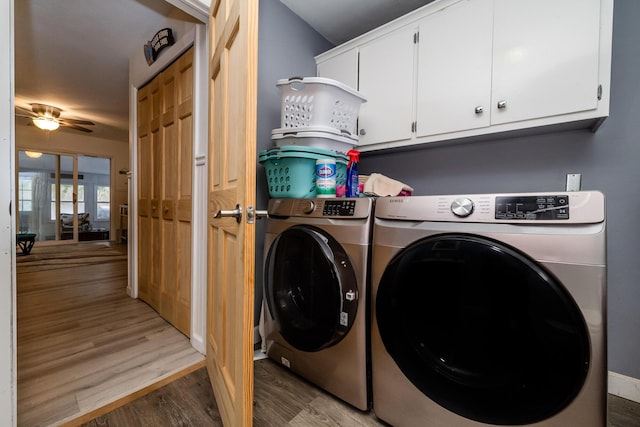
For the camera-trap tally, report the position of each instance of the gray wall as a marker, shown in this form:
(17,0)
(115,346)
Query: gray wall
(609,161)
(286,48)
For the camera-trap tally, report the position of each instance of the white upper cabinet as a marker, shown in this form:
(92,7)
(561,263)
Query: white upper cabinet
(454,66)
(343,67)
(387,72)
(463,68)
(545,58)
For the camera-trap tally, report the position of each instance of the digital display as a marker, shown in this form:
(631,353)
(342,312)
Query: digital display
(533,207)
(339,208)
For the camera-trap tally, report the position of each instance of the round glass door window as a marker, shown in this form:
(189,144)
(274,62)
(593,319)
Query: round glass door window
(310,288)
(482,329)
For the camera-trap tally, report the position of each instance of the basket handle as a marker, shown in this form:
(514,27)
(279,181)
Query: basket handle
(298,81)
(345,131)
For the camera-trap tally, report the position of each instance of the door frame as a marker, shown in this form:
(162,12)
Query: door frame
(8,329)
(139,74)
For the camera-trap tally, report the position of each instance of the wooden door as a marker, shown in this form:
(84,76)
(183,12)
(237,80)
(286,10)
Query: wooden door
(177,143)
(165,158)
(183,201)
(145,168)
(157,242)
(231,182)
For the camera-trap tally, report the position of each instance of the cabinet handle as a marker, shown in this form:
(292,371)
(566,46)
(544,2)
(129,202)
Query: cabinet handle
(479,109)
(502,104)
(363,132)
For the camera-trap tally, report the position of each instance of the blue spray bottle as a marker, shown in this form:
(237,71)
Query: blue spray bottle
(353,183)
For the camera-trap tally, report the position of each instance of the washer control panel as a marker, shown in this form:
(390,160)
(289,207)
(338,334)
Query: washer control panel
(339,208)
(539,208)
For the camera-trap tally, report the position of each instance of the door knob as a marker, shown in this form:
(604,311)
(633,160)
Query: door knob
(235,213)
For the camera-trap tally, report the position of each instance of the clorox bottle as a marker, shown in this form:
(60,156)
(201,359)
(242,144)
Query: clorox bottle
(326,178)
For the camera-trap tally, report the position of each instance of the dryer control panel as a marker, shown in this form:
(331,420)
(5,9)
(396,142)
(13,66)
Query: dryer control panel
(577,207)
(539,208)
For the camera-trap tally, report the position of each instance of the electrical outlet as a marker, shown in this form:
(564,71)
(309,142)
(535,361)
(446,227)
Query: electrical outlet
(573,181)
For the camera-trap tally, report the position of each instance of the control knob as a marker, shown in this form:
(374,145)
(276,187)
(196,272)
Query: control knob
(462,207)
(308,206)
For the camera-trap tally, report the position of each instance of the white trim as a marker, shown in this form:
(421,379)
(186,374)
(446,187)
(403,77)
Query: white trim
(200,174)
(8,329)
(196,8)
(624,386)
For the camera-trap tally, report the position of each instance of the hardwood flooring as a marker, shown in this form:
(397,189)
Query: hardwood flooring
(280,399)
(83,343)
(54,367)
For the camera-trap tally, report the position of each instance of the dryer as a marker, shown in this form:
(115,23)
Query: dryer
(316,281)
(490,310)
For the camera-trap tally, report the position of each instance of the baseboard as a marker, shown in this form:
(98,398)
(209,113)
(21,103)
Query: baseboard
(623,386)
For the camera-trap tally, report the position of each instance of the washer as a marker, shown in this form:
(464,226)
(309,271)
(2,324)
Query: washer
(490,310)
(317,253)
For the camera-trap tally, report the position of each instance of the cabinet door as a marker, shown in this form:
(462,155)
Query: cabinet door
(454,68)
(387,79)
(545,58)
(343,68)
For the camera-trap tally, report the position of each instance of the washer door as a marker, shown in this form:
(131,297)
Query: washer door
(482,329)
(310,288)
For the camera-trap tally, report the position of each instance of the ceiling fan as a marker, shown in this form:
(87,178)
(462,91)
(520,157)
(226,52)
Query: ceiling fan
(47,117)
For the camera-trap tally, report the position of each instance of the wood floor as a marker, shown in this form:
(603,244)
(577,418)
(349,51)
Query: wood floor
(82,342)
(280,399)
(46,389)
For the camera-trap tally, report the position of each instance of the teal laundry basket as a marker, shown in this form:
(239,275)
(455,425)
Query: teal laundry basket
(291,170)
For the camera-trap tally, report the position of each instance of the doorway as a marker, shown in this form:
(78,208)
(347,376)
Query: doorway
(64,197)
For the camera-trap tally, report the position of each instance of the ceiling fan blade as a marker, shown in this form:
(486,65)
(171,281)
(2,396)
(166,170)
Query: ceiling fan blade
(76,122)
(76,127)
(31,116)
(26,112)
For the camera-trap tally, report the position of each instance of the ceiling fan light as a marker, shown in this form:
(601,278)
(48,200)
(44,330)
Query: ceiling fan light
(46,123)
(33,154)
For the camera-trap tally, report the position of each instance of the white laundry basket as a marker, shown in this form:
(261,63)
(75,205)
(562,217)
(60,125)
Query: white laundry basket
(319,102)
(316,137)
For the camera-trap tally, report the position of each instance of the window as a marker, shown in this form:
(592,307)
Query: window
(25,193)
(103,196)
(66,199)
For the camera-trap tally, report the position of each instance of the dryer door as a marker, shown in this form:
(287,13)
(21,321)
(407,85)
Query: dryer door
(310,288)
(482,329)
